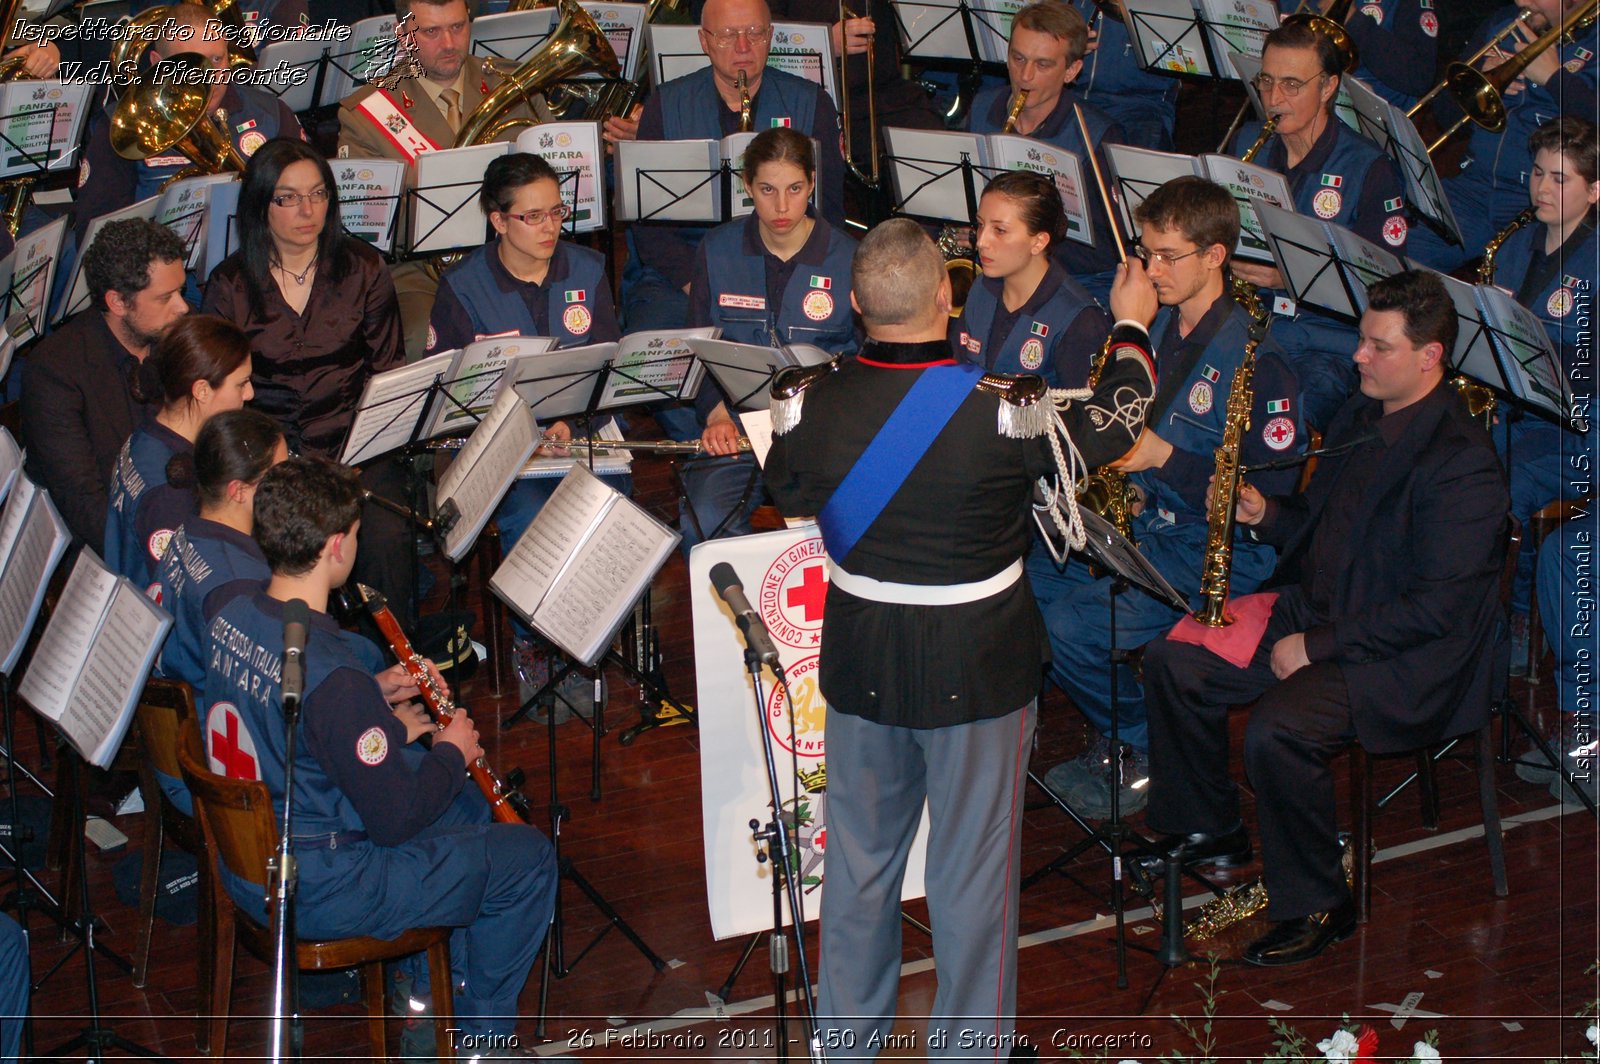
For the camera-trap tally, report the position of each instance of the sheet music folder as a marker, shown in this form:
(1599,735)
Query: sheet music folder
(1116,554)
(745,371)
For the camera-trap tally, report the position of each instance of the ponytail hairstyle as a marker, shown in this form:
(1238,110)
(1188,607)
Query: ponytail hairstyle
(235,445)
(1038,200)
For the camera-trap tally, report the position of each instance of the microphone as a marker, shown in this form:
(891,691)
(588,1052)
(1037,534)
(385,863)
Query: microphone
(296,617)
(731,591)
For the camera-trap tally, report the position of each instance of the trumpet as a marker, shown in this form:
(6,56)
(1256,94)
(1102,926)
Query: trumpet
(1481,93)
(871,178)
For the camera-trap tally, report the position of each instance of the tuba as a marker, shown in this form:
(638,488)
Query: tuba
(156,117)
(142,32)
(1218,564)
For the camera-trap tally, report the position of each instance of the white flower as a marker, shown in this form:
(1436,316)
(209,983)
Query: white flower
(1422,1053)
(1340,1048)
(1593,1034)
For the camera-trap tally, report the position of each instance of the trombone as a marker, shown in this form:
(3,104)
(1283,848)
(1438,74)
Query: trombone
(871,178)
(1481,93)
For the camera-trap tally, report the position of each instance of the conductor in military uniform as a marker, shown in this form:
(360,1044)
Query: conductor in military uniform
(932,656)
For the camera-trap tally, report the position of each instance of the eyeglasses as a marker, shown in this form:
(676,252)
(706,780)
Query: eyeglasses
(537,218)
(752,35)
(1290,87)
(1161,257)
(294,199)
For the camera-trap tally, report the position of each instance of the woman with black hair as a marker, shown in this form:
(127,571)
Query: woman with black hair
(1025,314)
(321,314)
(200,367)
(211,553)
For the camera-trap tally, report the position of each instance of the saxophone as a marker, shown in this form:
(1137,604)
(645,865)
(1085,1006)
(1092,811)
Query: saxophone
(1268,128)
(1018,102)
(1106,491)
(746,117)
(1218,563)
(1480,399)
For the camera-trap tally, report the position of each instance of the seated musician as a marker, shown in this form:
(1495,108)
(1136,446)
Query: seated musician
(419,113)
(264,20)
(213,548)
(1334,174)
(736,36)
(1397,42)
(1144,103)
(1188,230)
(200,367)
(1386,639)
(81,406)
(527,281)
(1045,56)
(319,309)
(1548,264)
(1492,186)
(386,835)
(779,276)
(247,115)
(1025,314)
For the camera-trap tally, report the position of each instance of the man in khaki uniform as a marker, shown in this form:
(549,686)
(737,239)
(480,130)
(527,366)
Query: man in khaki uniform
(418,114)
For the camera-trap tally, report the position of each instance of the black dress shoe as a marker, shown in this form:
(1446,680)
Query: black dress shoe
(1293,941)
(1224,851)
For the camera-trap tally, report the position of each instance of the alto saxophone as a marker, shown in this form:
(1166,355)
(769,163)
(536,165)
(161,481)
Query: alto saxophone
(1218,564)
(746,116)
(1268,128)
(1480,399)
(1107,491)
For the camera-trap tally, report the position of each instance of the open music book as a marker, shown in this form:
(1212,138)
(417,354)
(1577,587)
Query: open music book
(94,656)
(485,467)
(1140,171)
(27,277)
(41,125)
(644,367)
(33,537)
(582,565)
(744,371)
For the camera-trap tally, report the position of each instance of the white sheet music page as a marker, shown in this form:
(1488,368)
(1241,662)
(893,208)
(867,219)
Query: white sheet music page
(16,508)
(391,404)
(118,662)
(534,565)
(485,467)
(653,366)
(32,557)
(1011,152)
(10,466)
(64,647)
(475,377)
(36,260)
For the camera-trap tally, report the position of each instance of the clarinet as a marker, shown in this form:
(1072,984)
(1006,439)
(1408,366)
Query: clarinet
(506,803)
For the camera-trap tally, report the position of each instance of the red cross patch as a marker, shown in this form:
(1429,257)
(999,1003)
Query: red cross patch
(1278,434)
(229,747)
(1394,231)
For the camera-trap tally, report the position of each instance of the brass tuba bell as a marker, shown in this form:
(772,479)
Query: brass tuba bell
(143,31)
(156,117)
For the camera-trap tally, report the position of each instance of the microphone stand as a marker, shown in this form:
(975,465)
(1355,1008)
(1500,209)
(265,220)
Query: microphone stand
(286,1035)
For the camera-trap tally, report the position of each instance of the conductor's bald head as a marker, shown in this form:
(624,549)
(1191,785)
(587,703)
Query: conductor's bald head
(899,285)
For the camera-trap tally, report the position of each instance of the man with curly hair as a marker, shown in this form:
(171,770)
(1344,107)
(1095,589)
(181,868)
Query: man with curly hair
(78,405)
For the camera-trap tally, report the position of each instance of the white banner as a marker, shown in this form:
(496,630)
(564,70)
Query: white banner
(785,576)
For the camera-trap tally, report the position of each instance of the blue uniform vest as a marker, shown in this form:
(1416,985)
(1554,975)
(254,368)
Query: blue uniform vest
(133,546)
(203,556)
(691,108)
(1334,193)
(493,310)
(252,121)
(1031,345)
(1559,301)
(809,314)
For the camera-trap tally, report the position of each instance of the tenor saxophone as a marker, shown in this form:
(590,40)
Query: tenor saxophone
(1218,564)
(1107,491)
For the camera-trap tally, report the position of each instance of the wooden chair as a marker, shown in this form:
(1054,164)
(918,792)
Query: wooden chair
(1543,523)
(241,832)
(162,710)
(1362,807)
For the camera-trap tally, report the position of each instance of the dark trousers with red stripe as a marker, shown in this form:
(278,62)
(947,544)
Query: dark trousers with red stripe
(972,776)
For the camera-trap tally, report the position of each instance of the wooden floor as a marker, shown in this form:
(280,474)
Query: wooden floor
(1499,979)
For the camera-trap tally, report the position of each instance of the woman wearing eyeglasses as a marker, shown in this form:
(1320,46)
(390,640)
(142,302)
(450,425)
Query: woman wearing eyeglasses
(321,315)
(1026,314)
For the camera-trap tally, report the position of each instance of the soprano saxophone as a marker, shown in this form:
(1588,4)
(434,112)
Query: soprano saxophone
(1106,491)
(1479,398)
(1218,564)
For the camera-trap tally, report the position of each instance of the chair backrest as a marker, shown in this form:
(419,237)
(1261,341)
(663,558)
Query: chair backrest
(163,707)
(236,815)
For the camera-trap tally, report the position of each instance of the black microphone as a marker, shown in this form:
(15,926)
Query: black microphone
(296,617)
(731,591)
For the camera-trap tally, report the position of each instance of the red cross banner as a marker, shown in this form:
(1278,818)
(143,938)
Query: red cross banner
(785,577)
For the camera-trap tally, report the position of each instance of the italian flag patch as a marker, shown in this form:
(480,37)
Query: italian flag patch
(575,295)
(784,122)
(1040,329)
(1210,373)
(818,281)
(1332,180)
(1394,204)
(1278,406)
(1573,282)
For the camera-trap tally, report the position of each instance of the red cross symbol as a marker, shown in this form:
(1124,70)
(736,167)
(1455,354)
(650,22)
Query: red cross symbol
(810,594)
(1279,433)
(225,749)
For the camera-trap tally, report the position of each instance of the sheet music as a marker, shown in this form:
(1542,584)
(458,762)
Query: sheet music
(512,35)
(293,55)
(992,26)
(64,648)
(222,230)
(31,558)
(119,661)
(391,403)
(78,294)
(1166,35)
(1139,172)
(1012,152)
(745,371)
(557,384)
(653,366)
(931,31)
(1423,188)
(10,466)
(577,148)
(1249,185)
(485,468)
(805,50)
(534,565)
(365,56)
(445,214)
(474,379)
(925,171)
(1300,247)
(674,52)
(758,430)
(1364,263)
(369,198)
(623,25)
(43,125)
(1474,354)
(28,278)
(669,180)
(1527,357)
(609,572)
(12,516)
(1237,26)
(181,207)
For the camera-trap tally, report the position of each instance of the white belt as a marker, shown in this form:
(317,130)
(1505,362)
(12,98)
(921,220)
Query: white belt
(923,594)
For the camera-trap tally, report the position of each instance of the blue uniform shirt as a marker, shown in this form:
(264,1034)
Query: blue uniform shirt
(1054,334)
(145,508)
(481,298)
(1553,286)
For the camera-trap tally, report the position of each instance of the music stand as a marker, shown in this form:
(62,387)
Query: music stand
(961,36)
(512,36)
(1324,265)
(27,291)
(78,291)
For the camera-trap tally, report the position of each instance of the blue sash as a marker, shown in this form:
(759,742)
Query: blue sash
(893,453)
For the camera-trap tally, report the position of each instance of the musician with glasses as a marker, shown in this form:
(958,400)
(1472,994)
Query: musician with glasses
(1188,227)
(1043,58)
(1026,314)
(1397,42)
(320,312)
(422,111)
(1385,636)
(1494,179)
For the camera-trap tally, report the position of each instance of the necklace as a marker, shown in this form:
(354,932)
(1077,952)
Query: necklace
(299,278)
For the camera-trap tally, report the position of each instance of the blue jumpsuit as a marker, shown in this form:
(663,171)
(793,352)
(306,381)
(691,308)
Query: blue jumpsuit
(1347,180)
(144,507)
(1566,569)
(756,298)
(384,837)
(1194,374)
(1054,334)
